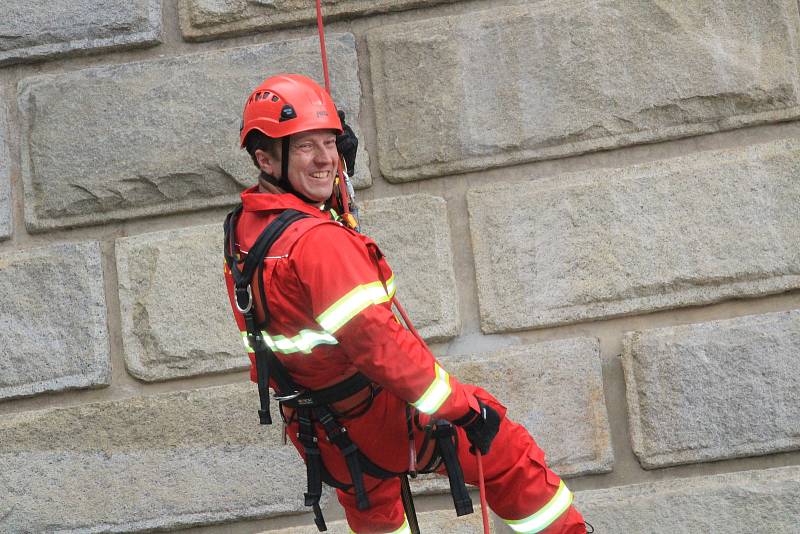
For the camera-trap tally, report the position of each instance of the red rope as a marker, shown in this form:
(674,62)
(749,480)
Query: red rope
(482,488)
(481,483)
(323,52)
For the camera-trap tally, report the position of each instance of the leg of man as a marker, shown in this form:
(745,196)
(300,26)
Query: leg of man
(520,488)
(385,515)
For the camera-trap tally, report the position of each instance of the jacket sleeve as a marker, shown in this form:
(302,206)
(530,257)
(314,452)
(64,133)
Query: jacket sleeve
(344,290)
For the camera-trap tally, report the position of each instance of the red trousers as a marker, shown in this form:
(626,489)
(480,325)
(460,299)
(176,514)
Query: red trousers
(519,486)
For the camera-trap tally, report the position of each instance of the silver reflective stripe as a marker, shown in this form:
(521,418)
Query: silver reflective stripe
(303,342)
(351,304)
(437,392)
(548,513)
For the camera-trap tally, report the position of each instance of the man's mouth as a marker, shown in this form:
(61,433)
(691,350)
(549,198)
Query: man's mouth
(320,174)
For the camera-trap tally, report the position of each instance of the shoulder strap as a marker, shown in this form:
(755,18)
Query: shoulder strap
(266,360)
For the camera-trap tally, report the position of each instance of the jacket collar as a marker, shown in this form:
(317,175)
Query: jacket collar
(254,200)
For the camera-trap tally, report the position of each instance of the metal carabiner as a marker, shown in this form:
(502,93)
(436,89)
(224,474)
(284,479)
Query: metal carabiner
(294,395)
(249,300)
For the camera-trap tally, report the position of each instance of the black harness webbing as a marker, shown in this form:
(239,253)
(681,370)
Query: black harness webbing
(444,434)
(314,405)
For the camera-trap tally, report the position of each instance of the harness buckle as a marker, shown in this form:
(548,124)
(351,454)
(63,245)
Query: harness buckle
(247,291)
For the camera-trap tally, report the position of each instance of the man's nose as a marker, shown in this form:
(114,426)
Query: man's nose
(321,154)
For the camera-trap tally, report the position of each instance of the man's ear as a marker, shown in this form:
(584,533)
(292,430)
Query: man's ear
(268,163)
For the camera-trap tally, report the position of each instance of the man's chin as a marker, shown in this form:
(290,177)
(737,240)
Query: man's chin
(320,197)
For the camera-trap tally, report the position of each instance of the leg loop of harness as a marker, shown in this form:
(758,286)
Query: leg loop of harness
(444,434)
(337,434)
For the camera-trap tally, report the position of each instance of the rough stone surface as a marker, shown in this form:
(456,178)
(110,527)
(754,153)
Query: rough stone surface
(173,126)
(555,390)
(209,19)
(715,390)
(176,322)
(159,462)
(556,78)
(433,522)
(30,32)
(52,321)
(685,231)
(5,178)
(414,234)
(737,503)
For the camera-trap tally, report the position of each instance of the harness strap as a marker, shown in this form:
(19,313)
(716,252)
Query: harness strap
(307,436)
(444,433)
(339,391)
(337,434)
(265,359)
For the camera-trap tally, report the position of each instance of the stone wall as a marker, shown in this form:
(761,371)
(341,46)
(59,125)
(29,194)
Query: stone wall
(592,206)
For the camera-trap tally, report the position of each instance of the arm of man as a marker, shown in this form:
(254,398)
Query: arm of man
(344,291)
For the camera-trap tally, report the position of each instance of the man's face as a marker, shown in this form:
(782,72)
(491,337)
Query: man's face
(312,163)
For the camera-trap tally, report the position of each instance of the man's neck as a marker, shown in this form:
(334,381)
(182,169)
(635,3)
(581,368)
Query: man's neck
(265,186)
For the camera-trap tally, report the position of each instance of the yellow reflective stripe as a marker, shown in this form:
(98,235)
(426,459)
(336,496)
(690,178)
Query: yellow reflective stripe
(405,529)
(436,394)
(303,342)
(546,515)
(351,304)
(390,287)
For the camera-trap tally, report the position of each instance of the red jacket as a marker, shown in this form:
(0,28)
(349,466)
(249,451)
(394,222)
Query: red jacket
(328,292)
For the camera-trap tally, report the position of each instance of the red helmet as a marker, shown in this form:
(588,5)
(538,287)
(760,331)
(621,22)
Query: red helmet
(287,104)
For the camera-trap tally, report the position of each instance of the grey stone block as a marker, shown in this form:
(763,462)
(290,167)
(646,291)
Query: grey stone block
(156,462)
(29,31)
(431,522)
(736,503)
(6,227)
(685,231)
(715,390)
(209,19)
(140,139)
(53,332)
(555,78)
(414,234)
(176,317)
(555,390)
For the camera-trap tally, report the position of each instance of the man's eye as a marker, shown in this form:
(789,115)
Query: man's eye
(304,147)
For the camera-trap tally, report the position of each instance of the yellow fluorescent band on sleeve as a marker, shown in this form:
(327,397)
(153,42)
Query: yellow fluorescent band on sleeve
(350,305)
(436,394)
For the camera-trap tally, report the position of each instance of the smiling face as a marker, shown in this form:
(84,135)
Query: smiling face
(312,163)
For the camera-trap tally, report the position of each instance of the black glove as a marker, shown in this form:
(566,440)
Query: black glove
(347,145)
(481,428)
